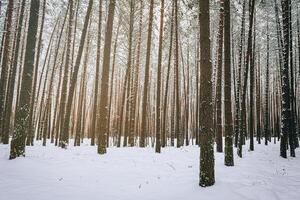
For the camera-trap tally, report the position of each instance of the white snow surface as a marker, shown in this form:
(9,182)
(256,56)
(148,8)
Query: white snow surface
(79,173)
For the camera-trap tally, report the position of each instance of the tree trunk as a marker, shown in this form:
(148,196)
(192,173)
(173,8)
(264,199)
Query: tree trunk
(164,129)
(11,86)
(158,89)
(178,132)
(146,80)
(247,64)
(267,113)
(207,161)
(219,127)
(30,131)
(66,123)
(95,117)
(22,115)
(103,107)
(5,66)
(238,112)
(227,91)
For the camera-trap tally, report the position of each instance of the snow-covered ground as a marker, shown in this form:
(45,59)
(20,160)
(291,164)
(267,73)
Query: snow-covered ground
(79,173)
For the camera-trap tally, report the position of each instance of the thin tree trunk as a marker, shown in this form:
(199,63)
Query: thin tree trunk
(219,127)
(65,125)
(178,132)
(146,79)
(247,64)
(95,117)
(164,129)
(267,113)
(158,89)
(68,65)
(227,91)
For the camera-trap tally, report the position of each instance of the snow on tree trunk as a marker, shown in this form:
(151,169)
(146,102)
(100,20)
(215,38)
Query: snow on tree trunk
(207,161)
(22,116)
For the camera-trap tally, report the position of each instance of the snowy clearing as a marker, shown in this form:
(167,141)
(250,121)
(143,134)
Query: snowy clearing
(134,173)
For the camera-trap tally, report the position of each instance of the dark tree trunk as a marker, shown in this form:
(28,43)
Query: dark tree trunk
(219,127)
(267,113)
(227,91)
(23,110)
(158,89)
(247,65)
(286,94)
(11,86)
(178,132)
(207,161)
(30,131)
(238,112)
(7,37)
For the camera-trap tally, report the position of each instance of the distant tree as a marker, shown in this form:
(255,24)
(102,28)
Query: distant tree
(243,124)
(146,79)
(95,117)
(238,123)
(66,123)
(164,129)
(134,120)
(219,127)
(250,62)
(82,88)
(258,100)
(64,136)
(267,113)
(158,90)
(129,87)
(178,132)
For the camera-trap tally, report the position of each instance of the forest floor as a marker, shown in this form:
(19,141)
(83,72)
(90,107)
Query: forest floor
(79,173)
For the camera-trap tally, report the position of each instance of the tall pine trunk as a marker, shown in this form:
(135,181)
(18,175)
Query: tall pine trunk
(64,136)
(207,161)
(219,127)
(158,89)
(146,79)
(103,107)
(11,86)
(7,37)
(95,116)
(227,91)
(66,122)
(23,110)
